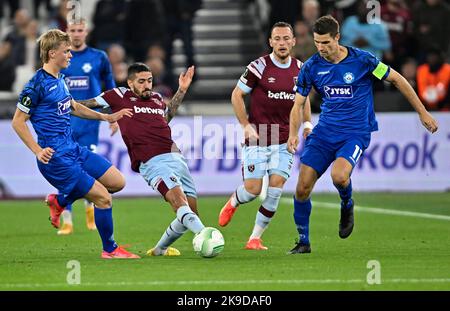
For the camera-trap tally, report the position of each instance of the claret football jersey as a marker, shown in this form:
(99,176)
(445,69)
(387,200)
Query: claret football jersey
(271,87)
(147,133)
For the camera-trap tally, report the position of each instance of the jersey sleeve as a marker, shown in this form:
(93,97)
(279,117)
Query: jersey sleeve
(111,98)
(29,98)
(252,74)
(106,73)
(304,81)
(376,67)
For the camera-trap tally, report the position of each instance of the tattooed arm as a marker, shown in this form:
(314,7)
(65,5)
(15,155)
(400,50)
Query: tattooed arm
(184,81)
(174,104)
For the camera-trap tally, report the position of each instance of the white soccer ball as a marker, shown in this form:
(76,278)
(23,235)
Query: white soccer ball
(209,242)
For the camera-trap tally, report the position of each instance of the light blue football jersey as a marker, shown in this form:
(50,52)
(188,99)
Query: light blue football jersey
(346,91)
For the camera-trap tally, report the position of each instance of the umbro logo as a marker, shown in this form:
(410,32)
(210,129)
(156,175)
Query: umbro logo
(271,80)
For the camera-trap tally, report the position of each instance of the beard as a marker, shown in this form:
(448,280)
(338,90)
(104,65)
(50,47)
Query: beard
(282,55)
(77,44)
(143,94)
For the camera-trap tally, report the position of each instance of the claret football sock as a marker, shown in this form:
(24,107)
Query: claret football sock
(302,211)
(105,227)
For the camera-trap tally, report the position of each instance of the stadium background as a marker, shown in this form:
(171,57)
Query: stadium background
(225,36)
(402,163)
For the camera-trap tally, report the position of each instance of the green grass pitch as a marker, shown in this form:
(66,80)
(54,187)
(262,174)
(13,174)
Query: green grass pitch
(413,250)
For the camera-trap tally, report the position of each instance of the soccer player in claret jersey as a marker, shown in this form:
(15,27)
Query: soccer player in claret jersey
(152,151)
(89,69)
(343,76)
(75,171)
(270,81)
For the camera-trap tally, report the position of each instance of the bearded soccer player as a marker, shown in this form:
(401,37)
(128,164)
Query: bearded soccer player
(270,81)
(89,68)
(152,151)
(343,76)
(74,170)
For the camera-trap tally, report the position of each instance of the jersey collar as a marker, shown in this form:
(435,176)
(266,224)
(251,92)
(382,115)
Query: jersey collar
(278,64)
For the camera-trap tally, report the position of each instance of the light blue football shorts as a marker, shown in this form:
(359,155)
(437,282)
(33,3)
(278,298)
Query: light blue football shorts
(166,171)
(273,159)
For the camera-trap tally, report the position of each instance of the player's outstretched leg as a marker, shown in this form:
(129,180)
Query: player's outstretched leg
(67,226)
(185,215)
(240,196)
(263,218)
(175,230)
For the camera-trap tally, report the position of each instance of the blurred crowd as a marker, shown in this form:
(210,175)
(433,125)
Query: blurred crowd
(412,36)
(128,30)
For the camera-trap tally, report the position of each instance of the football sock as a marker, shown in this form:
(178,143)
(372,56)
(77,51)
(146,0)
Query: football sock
(105,227)
(189,219)
(67,216)
(172,233)
(88,204)
(345,193)
(266,211)
(62,200)
(302,211)
(68,208)
(241,196)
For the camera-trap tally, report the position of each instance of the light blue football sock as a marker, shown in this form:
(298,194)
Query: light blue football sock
(172,233)
(189,219)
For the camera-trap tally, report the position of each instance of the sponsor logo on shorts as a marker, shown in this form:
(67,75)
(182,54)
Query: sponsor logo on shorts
(340,91)
(251,168)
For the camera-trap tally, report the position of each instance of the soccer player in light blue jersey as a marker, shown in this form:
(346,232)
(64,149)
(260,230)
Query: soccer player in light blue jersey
(74,170)
(343,76)
(89,68)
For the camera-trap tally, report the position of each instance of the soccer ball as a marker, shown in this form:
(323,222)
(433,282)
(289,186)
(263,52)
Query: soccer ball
(209,242)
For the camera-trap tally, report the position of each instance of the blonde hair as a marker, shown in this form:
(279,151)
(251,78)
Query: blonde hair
(51,40)
(77,21)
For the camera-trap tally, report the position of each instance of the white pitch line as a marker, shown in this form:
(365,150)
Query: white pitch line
(376,210)
(223,282)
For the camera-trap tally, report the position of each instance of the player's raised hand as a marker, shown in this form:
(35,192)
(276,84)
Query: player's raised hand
(292,144)
(111,118)
(45,155)
(114,127)
(428,122)
(185,79)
